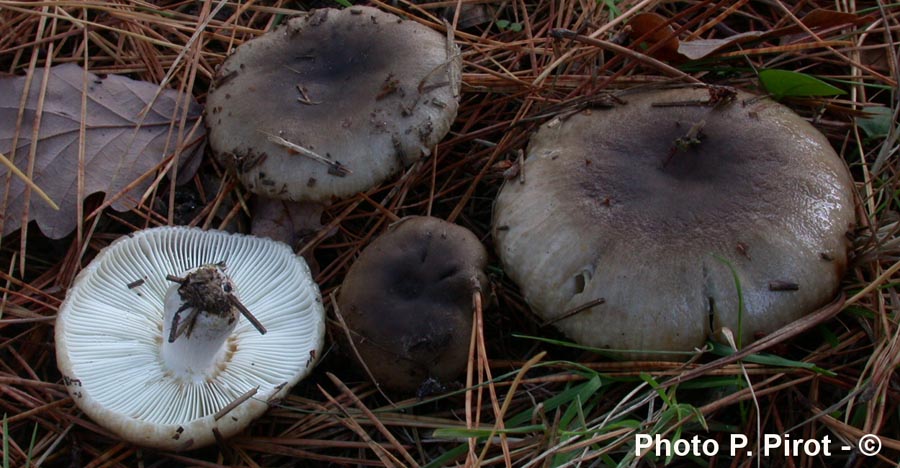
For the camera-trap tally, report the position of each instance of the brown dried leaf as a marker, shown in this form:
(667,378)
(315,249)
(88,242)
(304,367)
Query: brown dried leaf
(117,150)
(654,29)
(822,18)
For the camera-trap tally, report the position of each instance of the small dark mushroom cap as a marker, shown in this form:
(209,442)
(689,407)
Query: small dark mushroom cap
(618,205)
(408,301)
(364,89)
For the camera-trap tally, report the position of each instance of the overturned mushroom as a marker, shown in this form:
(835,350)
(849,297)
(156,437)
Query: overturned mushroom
(329,105)
(407,301)
(150,342)
(630,220)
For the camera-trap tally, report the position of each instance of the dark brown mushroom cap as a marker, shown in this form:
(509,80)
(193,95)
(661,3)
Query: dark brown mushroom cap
(359,87)
(618,205)
(407,301)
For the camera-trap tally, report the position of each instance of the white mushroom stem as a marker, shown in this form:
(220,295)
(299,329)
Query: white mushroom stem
(194,338)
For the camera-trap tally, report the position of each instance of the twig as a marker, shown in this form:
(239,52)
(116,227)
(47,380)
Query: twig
(378,425)
(21,175)
(575,311)
(247,314)
(334,167)
(647,60)
(234,404)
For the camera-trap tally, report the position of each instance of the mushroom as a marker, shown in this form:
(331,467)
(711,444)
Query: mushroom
(150,345)
(653,224)
(407,302)
(329,105)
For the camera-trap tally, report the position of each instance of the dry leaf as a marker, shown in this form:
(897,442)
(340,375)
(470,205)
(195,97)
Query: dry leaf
(700,48)
(117,151)
(654,29)
(821,18)
(816,19)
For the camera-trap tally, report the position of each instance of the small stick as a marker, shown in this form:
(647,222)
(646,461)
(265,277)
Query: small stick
(691,103)
(520,160)
(305,99)
(187,326)
(180,326)
(173,329)
(783,286)
(246,313)
(647,60)
(30,183)
(135,283)
(373,419)
(220,440)
(176,279)
(234,404)
(334,167)
(359,358)
(577,310)
(691,138)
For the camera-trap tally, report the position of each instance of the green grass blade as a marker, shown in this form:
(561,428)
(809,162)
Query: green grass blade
(740,297)
(463,433)
(771,360)
(583,391)
(31,446)
(611,353)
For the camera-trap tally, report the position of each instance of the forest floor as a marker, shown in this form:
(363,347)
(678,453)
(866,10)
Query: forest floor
(524,401)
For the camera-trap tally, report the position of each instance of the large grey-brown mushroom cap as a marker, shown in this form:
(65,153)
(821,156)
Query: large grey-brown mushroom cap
(620,206)
(363,89)
(407,301)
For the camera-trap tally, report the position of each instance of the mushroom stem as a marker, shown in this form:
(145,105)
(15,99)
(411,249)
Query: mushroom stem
(199,316)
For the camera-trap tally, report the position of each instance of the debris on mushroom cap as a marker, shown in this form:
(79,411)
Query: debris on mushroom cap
(333,102)
(407,301)
(114,349)
(642,211)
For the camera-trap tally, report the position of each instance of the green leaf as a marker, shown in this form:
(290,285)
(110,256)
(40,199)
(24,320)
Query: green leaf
(878,123)
(784,83)
(344,3)
(507,25)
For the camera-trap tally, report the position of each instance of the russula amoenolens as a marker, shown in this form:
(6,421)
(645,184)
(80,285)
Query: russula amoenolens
(630,219)
(329,105)
(408,301)
(151,346)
